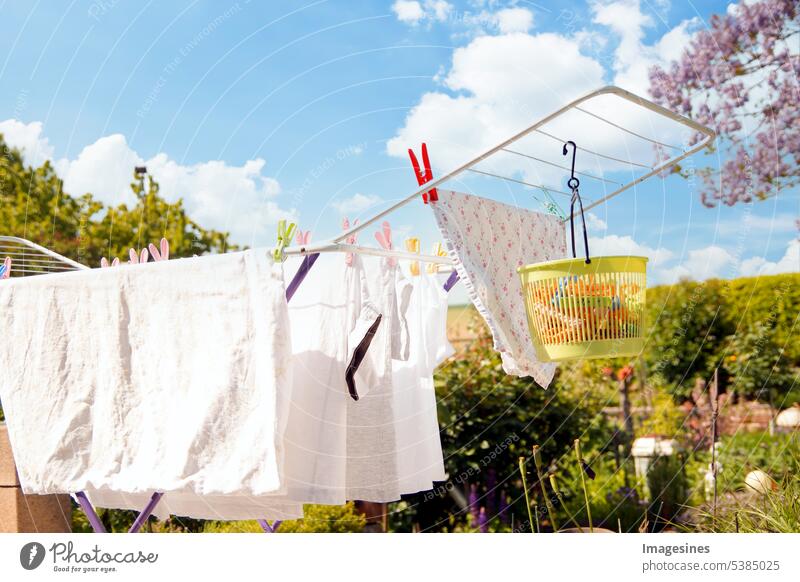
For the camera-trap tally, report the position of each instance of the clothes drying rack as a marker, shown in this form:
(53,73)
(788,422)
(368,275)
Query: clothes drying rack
(542,128)
(34,259)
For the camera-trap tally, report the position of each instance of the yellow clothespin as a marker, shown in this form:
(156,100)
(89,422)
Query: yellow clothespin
(412,246)
(438,251)
(285,235)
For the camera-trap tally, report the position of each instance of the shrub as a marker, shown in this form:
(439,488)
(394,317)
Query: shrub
(614,498)
(488,419)
(317,519)
(778,455)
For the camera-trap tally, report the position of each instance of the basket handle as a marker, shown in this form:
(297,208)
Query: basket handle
(573,183)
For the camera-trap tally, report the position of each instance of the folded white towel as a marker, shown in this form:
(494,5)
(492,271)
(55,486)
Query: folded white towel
(155,377)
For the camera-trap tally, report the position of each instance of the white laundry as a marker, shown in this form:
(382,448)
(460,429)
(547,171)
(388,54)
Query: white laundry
(328,448)
(420,460)
(330,314)
(372,463)
(489,240)
(154,377)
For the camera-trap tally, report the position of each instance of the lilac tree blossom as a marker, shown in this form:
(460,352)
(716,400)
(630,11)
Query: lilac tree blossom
(740,77)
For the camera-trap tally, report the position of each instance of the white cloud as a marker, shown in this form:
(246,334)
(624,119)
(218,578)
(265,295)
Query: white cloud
(497,85)
(413,12)
(500,85)
(104,169)
(713,261)
(594,223)
(408,11)
(733,8)
(28,138)
(632,58)
(706,263)
(789,263)
(613,244)
(356,204)
(238,199)
(514,20)
(440,9)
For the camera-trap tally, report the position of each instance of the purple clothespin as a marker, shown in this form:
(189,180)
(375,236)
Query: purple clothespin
(451,280)
(303,238)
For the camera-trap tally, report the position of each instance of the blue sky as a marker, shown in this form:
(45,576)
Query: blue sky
(252,111)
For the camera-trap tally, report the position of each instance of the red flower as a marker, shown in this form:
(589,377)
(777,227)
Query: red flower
(625,373)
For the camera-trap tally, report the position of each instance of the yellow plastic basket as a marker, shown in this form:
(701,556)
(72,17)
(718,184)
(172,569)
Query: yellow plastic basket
(580,310)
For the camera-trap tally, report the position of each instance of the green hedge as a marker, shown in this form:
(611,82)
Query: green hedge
(747,327)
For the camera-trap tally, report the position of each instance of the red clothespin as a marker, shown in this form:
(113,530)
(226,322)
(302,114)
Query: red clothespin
(423,178)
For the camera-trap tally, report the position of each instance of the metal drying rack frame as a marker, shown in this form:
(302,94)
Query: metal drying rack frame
(335,244)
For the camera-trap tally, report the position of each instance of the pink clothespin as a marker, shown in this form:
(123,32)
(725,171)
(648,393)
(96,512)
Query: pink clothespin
(135,260)
(104,263)
(163,254)
(350,240)
(303,238)
(5,269)
(384,239)
(427,176)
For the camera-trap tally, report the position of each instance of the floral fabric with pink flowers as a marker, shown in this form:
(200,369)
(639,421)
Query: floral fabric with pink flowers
(490,240)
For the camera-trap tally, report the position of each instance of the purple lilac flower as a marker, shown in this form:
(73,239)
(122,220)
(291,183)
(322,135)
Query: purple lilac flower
(491,485)
(503,509)
(483,521)
(473,504)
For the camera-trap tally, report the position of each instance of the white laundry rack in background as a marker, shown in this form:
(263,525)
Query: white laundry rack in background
(28,258)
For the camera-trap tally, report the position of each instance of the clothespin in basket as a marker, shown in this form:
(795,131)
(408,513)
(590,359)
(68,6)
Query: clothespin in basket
(5,269)
(412,246)
(438,251)
(426,176)
(384,239)
(285,236)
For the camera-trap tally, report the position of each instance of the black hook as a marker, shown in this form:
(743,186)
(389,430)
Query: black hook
(573,182)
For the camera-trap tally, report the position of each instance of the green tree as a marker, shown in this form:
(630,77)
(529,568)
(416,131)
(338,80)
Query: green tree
(687,324)
(150,219)
(758,367)
(33,205)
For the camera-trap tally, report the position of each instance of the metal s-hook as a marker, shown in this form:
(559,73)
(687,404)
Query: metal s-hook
(573,182)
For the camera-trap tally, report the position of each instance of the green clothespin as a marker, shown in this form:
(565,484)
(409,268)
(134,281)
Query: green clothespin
(285,235)
(551,205)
